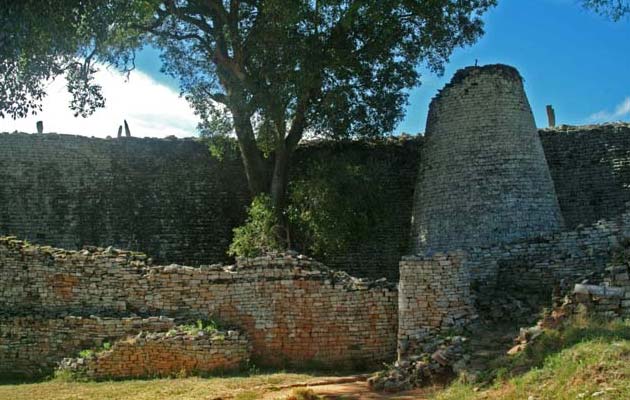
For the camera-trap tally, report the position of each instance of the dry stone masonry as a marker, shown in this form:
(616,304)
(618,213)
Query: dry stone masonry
(173,353)
(486,223)
(590,166)
(170,199)
(483,178)
(292,309)
(34,344)
(175,201)
(434,295)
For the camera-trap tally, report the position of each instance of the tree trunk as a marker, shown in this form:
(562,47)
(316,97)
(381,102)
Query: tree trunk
(279,184)
(255,168)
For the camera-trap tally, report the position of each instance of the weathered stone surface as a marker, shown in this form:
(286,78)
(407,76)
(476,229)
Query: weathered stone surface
(173,200)
(170,199)
(483,177)
(171,353)
(536,266)
(34,344)
(433,295)
(293,309)
(590,166)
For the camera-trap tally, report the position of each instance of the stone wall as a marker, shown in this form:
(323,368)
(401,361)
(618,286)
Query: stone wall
(536,266)
(33,345)
(375,178)
(294,310)
(172,353)
(171,199)
(483,178)
(434,295)
(590,166)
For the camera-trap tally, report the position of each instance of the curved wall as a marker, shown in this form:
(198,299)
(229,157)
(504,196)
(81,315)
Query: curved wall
(483,178)
(292,309)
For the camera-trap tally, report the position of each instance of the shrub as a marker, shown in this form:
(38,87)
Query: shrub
(335,205)
(259,234)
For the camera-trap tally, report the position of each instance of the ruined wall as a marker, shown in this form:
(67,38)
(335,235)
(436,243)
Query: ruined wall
(483,177)
(534,267)
(434,295)
(590,166)
(171,199)
(173,353)
(611,299)
(292,309)
(32,345)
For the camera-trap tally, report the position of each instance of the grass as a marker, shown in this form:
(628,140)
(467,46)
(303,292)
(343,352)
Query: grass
(588,359)
(231,387)
(206,326)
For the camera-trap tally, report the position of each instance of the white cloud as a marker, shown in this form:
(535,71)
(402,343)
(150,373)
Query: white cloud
(151,109)
(621,111)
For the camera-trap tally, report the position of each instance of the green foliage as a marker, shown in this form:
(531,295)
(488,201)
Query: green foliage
(64,37)
(206,326)
(259,235)
(64,375)
(87,353)
(334,205)
(613,9)
(587,356)
(222,147)
(268,71)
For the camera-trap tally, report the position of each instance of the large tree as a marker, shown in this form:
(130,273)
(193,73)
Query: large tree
(268,71)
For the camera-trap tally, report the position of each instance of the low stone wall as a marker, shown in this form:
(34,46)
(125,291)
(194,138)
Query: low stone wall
(434,295)
(294,310)
(536,266)
(165,354)
(33,345)
(609,299)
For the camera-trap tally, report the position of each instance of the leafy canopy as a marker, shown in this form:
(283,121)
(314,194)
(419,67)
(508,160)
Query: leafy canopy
(41,39)
(613,9)
(336,67)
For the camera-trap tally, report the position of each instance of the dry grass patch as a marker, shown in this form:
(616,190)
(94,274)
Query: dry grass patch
(238,388)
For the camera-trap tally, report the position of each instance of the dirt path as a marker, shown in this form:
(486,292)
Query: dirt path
(354,391)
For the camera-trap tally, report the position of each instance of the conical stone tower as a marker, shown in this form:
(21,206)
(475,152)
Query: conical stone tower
(483,178)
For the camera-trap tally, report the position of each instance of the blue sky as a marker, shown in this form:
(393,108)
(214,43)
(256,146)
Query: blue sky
(569,57)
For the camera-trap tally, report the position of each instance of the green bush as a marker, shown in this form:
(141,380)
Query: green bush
(335,206)
(259,234)
(207,326)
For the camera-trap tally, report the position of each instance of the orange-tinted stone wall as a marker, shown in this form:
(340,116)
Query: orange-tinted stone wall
(293,310)
(170,353)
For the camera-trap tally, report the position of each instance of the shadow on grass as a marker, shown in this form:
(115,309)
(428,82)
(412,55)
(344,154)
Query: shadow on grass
(312,369)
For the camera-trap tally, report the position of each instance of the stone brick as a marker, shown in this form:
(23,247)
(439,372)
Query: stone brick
(483,178)
(291,308)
